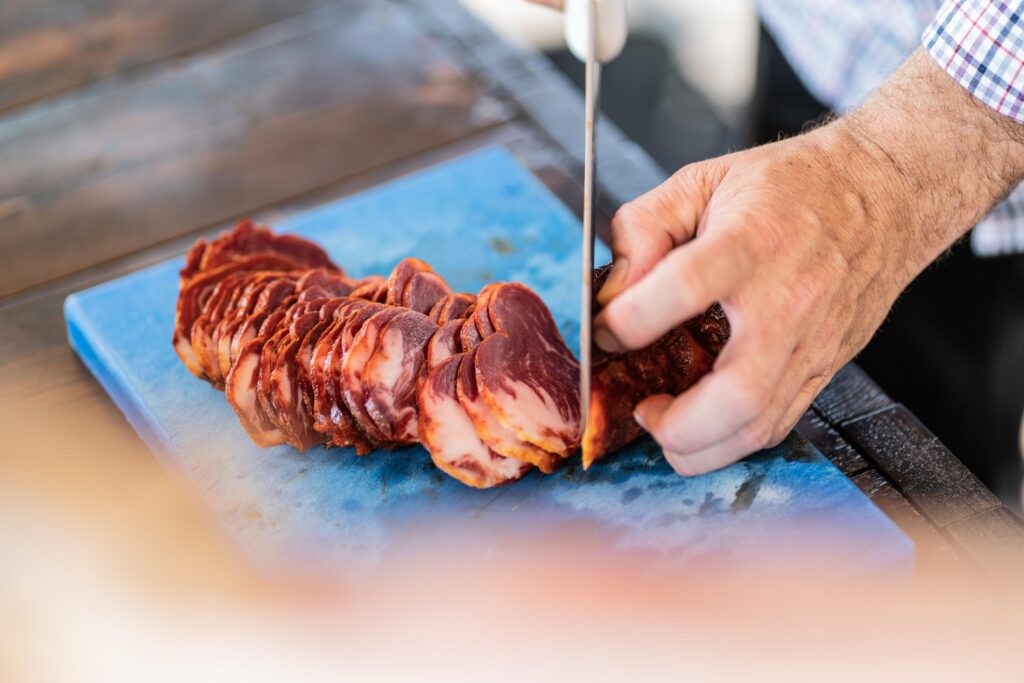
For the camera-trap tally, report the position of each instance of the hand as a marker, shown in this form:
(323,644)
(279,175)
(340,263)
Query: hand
(806,243)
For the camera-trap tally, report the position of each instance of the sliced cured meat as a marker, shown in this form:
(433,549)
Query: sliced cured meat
(450,437)
(353,367)
(263,301)
(330,282)
(216,308)
(469,335)
(372,289)
(241,391)
(525,372)
(400,277)
(423,291)
(670,365)
(391,374)
(495,435)
(286,389)
(242,308)
(198,289)
(456,306)
(444,343)
(480,315)
(248,239)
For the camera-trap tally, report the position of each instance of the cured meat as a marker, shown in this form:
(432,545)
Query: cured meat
(620,381)
(353,366)
(444,343)
(248,239)
(400,277)
(526,374)
(452,307)
(241,387)
(390,375)
(373,289)
(329,282)
(423,291)
(264,291)
(451,438)
(495,435)
(197,290)
(670,365)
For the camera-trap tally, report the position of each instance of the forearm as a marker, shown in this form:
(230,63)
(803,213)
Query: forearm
(949,158)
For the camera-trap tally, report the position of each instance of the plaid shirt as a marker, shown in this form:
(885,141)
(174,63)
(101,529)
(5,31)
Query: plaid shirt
(844,49)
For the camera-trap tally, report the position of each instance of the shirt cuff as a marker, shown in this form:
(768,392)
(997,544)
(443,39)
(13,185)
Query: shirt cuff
(980,43)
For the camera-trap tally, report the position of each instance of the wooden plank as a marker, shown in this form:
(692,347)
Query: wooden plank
(920,465)
(51,46)
(851,394)
(844,456)
(932,551)
(994,540)
(104,171)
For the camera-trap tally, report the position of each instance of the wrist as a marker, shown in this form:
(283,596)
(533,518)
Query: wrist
(950,157)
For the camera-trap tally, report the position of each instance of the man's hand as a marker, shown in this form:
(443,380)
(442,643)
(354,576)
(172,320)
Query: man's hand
(806,243)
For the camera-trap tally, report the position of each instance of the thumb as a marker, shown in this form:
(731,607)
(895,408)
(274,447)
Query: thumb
(646,229)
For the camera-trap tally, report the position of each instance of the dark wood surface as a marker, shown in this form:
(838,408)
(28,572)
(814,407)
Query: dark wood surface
(171,119)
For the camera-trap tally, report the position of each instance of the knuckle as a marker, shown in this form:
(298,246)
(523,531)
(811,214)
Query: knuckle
(757,435)
(750,399)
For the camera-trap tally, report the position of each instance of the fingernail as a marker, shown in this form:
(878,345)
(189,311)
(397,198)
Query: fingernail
(616,281)
(639,417)
(604,338)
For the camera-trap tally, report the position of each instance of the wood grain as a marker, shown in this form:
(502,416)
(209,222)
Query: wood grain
(851,394)
(108,170)
(50,46)
(920,466)
(932,552)
(994,540)
(830,442)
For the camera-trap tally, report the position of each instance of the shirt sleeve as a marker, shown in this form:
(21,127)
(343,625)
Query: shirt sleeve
(980,43)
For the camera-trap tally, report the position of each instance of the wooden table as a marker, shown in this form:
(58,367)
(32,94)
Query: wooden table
(128,129)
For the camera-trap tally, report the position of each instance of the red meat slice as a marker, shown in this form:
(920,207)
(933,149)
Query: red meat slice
(495,435)
(243,308)
(331,283)
(392,372)
(423,291)
(198,289)
(248,239)
(444,343)
(526,374)
(353,367)
(450,437)
(400,277)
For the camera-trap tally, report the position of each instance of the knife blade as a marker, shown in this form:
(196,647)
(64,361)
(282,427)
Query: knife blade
(592,83)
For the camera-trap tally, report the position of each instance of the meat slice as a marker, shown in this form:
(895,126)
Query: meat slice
(469,335)
(392,372)
(670,365)
(353,368)
(456,307)
(444,343)
(481,315)
(285,386)
(423,291)
(198,289)
(495,435)
(241,387)
(525,372)
(330,282)
(400,276)
(248,239)
(243,307)
(450,437)
(372,289)
(217,307)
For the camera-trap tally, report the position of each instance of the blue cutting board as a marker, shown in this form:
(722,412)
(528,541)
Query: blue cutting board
(477,219)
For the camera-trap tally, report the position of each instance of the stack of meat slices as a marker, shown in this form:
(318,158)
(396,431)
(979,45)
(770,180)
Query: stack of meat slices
(308,356)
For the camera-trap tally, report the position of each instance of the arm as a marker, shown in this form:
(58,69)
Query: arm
(806,243)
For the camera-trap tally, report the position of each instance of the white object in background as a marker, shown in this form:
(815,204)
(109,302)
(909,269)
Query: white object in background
(611,28)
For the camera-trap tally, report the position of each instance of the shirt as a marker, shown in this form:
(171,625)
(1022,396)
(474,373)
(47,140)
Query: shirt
(844,49)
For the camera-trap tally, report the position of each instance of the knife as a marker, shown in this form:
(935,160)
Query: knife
(596,33)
